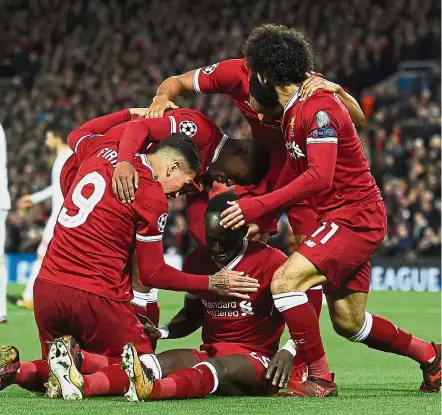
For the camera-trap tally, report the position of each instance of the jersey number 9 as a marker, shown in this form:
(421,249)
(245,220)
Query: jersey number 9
(85,205)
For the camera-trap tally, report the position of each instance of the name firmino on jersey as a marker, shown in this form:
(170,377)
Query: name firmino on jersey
(108,154)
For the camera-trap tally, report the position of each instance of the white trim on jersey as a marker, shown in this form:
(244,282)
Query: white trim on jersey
(82,138)
(196,82)
(291,101)
(145,161)
(219,148)
(172,124)
(312,140)
(235,261)
(153,238)
(79,142)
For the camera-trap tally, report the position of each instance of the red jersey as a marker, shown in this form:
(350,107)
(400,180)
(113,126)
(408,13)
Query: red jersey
(254,322)
(326,157)
(142,135)
(231,77)
(96,234)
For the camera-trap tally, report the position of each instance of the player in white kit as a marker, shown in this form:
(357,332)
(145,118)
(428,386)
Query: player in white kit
(56,141)
(5,205)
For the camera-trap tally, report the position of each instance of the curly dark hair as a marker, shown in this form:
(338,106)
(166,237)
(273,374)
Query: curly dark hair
(282,54)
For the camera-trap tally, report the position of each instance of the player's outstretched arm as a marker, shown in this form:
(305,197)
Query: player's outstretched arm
(281,365)
(318,176)
(168,91)
(271,219)
(30,200)
(314,82)
(154,272)
(188,320)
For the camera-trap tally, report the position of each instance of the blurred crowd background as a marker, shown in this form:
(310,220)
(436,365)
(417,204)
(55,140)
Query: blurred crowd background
(78,59)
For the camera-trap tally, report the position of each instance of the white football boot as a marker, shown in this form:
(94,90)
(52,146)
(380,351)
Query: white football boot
(64,379)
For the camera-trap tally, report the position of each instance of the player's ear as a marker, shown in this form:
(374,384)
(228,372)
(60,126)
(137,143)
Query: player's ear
(241,150)
(173,168)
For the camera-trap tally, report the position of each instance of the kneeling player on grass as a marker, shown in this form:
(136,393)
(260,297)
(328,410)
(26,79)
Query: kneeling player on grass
(83,287)
(240,337)
(225,160)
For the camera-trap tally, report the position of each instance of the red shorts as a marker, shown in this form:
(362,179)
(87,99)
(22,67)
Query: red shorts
(341,247)
(302,219)
(98,324)
(259,360)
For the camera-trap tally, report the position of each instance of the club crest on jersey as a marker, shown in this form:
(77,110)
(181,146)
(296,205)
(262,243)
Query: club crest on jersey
(294,150)
(292,125)
(162,220)
(322,119)
(188,128)
(209,69)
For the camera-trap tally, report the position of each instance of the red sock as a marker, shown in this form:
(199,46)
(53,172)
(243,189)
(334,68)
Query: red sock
(299,369)
(145,304)
(111,380)
(33,375)
(385,336)
(93,362)
(194,382)
(303,325)
(314,296)
(153,313)
(319,369)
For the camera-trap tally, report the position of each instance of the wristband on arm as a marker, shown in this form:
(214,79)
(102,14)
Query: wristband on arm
(290,346)
(164,330)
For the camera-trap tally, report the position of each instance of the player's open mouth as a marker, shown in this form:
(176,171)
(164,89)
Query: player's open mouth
(218,257)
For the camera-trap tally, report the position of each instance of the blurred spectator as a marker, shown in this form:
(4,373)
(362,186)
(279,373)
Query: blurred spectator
(407,166)
(85,58)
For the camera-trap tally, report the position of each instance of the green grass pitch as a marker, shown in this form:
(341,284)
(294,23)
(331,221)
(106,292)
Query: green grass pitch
(369,382)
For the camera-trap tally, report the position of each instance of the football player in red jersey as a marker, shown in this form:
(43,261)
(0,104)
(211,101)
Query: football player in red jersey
(94,238)
(331,171)
(222,159)
(231,78)
(240,351)
(83,287)
(239,337)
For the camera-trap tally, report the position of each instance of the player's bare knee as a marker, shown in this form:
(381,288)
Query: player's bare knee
(346,324)
(275,285)
(221,369)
